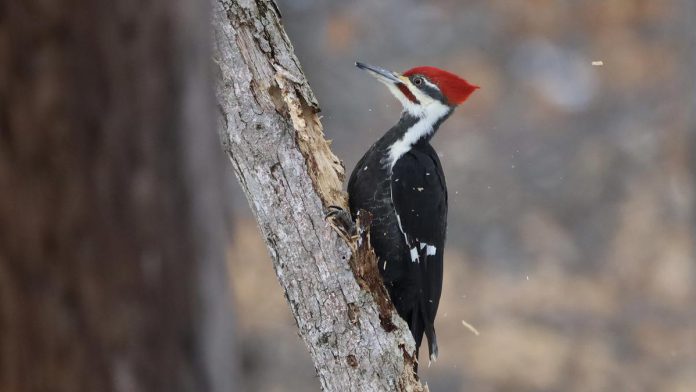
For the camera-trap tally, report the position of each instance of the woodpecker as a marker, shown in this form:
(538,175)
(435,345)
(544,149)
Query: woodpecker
(400,182)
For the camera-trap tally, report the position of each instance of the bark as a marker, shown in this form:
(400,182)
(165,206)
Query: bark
(112,268)
(271,130)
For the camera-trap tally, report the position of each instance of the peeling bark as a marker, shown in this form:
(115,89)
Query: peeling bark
(272,134)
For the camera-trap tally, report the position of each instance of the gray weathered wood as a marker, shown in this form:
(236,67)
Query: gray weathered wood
(271,131)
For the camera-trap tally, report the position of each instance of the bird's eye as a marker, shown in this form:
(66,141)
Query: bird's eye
(418,81)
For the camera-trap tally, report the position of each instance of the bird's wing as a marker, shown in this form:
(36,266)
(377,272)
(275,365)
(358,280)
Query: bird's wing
(419,195)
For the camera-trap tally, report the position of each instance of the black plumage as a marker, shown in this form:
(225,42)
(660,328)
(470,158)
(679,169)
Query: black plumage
(410,196)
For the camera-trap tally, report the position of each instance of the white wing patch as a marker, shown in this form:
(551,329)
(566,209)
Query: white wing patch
(414,255)
(431,251)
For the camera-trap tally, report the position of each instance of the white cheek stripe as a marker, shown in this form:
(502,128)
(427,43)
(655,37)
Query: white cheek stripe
(412,108)
(429,112)
(429,115)
(427,82)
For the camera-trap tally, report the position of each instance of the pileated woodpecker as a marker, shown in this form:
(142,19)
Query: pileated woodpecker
(400,182)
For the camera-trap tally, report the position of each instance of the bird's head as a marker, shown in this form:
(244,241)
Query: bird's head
(421,87)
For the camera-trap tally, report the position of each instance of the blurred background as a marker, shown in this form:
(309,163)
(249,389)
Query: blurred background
(572,178)
(571,255)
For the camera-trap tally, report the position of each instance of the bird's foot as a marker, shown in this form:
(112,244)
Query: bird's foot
(342,222)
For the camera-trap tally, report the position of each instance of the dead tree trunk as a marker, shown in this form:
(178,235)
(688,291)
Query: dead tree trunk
(272,133)
(112,271)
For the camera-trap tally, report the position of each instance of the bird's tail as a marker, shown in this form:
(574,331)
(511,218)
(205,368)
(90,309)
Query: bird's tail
(427,319)
(432,341)
(421,320)
(429,330)
(420,326)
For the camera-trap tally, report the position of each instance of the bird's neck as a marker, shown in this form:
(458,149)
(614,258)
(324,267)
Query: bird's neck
(413,129)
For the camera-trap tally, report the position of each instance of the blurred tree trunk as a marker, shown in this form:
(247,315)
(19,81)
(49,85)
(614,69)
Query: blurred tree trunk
(272,133)
(112,271)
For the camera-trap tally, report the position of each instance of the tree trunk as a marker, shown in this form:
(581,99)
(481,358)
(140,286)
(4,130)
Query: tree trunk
(272,133)
(112,269)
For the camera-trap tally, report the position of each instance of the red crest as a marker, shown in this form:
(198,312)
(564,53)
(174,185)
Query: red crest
(455,89)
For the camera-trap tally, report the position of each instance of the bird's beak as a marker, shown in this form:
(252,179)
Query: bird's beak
(381,74)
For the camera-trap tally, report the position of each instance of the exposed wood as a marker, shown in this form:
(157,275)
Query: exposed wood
(272,133)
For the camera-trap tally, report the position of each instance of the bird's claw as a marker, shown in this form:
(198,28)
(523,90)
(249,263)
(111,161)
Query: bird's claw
(342,222)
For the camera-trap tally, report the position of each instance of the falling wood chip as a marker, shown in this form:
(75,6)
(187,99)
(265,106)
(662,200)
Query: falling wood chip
(598,63)
(471,328)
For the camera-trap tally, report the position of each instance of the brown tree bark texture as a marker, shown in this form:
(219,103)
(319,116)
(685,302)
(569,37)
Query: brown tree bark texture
(272,133)
(112,267)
